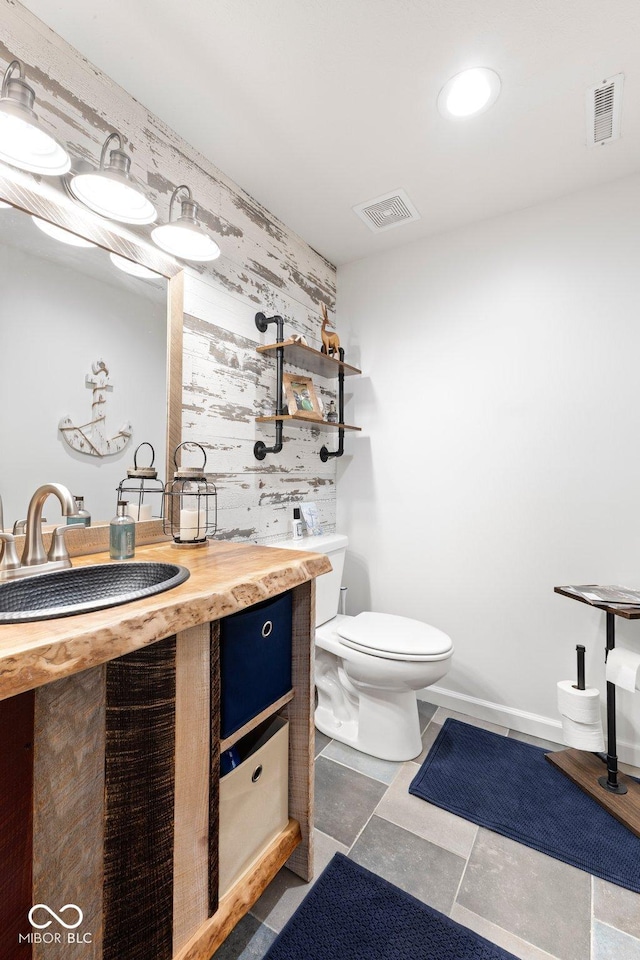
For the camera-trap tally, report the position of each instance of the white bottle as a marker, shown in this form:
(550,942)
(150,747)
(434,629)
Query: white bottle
(296,524)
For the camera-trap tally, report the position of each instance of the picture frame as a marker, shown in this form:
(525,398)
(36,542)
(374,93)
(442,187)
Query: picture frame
(301,396)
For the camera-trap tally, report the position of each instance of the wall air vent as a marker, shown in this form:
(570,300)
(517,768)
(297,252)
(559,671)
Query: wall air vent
(391,210)
(604,111)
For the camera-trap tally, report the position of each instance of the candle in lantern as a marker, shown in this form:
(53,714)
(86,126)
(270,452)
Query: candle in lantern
(192,524)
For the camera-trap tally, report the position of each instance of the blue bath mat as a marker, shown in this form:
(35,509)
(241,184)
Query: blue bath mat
(352,914)
(509,787)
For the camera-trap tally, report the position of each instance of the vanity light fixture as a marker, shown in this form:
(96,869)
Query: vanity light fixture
(24,142)
(111,191)
(59,233)
(468,93)
(133,268)
(184,237)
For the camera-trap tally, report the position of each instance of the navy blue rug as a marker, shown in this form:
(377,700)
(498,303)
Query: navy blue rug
(510,788)
(352,914)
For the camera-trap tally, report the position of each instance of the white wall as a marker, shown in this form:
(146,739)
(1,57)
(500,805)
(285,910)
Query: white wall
(500,454)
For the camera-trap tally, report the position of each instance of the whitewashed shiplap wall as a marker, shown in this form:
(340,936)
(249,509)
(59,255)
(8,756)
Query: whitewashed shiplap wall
(264,266)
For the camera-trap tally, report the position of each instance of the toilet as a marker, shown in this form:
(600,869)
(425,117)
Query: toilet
(368,667)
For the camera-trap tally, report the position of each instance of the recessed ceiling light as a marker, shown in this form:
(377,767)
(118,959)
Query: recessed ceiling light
(470,92)
(59,233)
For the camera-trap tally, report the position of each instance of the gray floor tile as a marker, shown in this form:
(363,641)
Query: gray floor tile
(508,941)
(428,739)
(616,906)
(612,944)
(383,770)
(421,868)
(322,741)
(543,901)
(442,714)
(425,712)
(424,819)
(344,800)
(287,891)
(249,940)
(536,741)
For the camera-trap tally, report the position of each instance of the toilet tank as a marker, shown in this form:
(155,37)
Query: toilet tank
(334,545)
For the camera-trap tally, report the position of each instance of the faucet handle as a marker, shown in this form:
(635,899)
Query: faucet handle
(9,559)
(58,549)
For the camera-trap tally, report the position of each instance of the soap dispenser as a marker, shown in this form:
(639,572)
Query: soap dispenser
(81,517)
(122,536)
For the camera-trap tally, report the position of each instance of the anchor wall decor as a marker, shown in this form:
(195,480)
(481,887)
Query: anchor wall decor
(91,438)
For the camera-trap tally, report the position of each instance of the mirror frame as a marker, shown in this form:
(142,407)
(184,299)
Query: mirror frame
(42,199)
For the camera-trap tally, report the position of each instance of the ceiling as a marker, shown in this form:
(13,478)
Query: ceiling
(313,106)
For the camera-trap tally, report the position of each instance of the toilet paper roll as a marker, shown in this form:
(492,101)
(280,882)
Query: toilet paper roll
(623,669)
(583,736)
(583,706)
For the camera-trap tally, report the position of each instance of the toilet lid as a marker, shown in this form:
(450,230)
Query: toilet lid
(397,637)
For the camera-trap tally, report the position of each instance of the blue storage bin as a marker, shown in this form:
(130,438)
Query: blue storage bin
(255,661)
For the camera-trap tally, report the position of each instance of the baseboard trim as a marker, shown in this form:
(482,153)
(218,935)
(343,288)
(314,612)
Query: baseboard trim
(534,724)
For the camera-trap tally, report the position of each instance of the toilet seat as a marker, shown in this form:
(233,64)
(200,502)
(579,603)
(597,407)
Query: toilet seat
(394,638)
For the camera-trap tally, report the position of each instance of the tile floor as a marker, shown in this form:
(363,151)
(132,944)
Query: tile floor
(530,904)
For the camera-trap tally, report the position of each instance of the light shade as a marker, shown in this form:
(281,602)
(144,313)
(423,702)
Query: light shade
(59,233)
(468,93)
(184,237)
(4,206)
(24,143)
(111,191)
(133,268)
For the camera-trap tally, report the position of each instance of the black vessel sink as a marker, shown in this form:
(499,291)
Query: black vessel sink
(65,593)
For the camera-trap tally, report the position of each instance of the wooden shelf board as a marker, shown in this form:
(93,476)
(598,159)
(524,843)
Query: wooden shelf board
(256,721)
(306,422)
(628,612)
(319,363)
(584,769)
(242,896)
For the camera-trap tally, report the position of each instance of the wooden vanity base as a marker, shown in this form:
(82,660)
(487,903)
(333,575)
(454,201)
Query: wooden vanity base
(242,896)
(117,754)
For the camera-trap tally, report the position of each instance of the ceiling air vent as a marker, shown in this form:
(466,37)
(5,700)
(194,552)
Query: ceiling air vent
(391,210)
(604,111)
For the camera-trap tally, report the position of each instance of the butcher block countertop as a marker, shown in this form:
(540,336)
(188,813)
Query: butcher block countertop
(225,578)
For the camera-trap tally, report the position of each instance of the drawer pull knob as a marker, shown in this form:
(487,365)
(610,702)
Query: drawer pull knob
(257,773)
(267,628)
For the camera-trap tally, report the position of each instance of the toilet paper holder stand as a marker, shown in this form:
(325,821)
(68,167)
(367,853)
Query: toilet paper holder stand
(610,789)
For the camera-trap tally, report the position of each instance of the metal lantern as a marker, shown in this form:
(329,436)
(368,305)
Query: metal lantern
(190,503)
(142,488)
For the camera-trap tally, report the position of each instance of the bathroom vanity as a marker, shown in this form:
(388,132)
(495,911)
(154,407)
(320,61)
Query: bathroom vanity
(110,767)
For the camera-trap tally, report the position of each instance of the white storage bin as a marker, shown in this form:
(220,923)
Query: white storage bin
(254,804)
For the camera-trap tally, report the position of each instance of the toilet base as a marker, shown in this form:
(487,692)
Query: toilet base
(386,725)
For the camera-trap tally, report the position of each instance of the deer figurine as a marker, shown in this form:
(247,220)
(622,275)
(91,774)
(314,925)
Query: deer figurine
(330,341)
